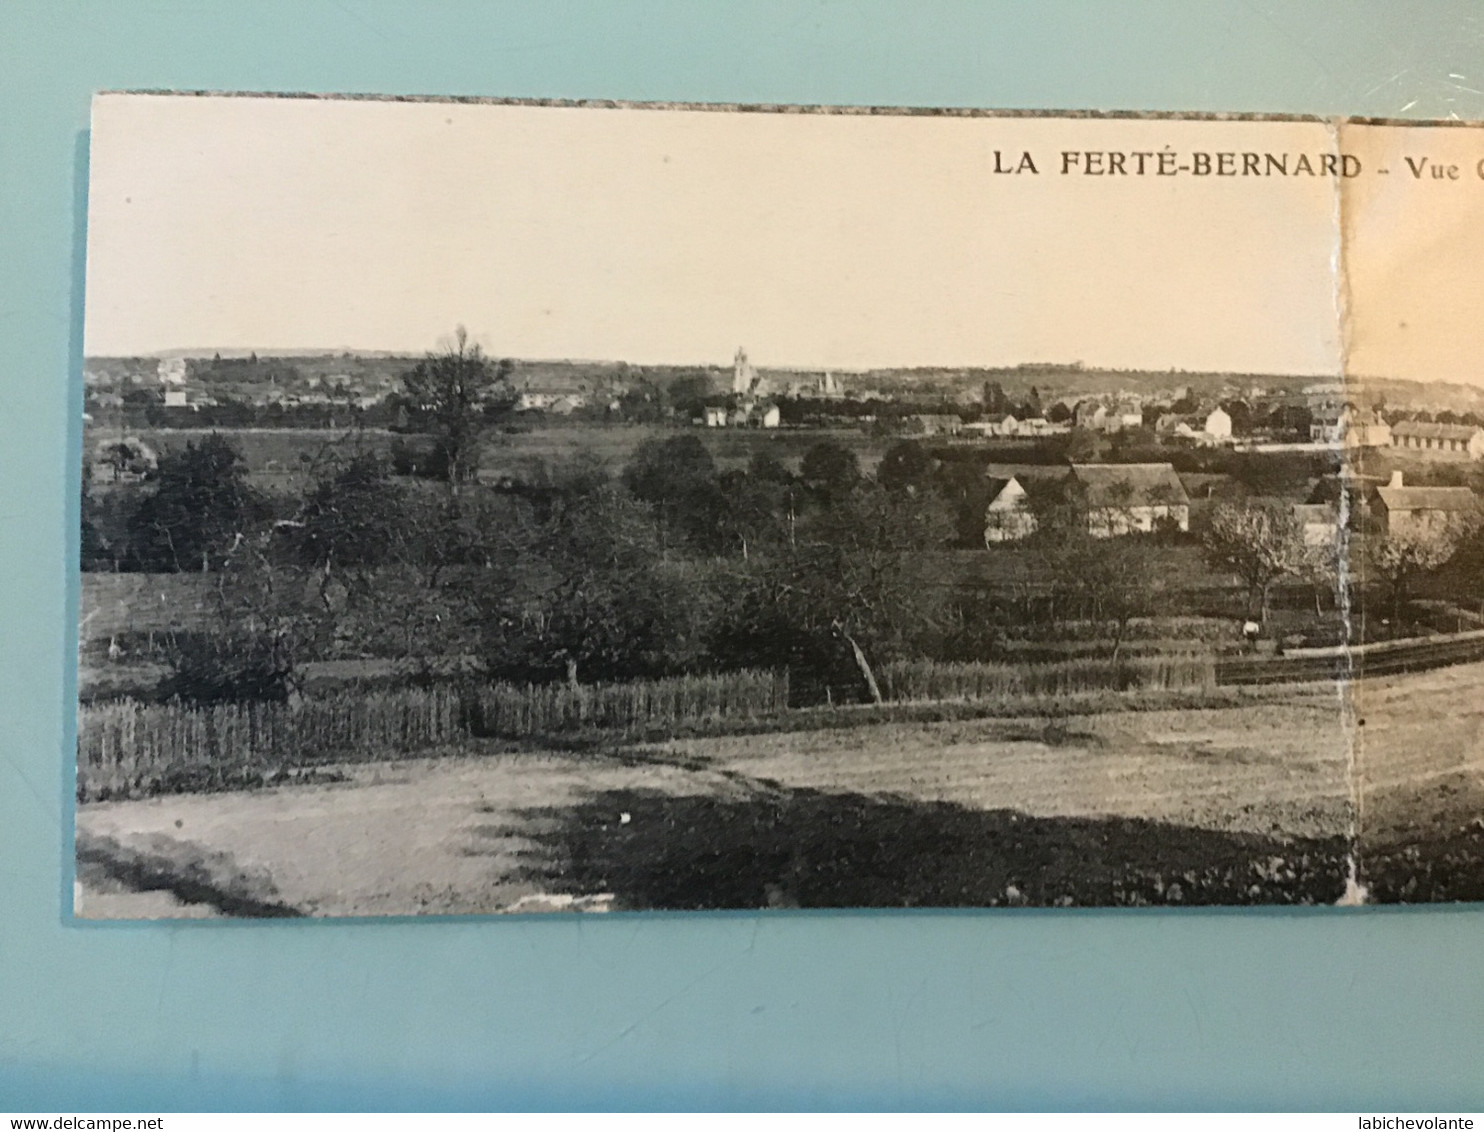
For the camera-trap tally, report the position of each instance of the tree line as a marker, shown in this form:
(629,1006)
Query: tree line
(670,565)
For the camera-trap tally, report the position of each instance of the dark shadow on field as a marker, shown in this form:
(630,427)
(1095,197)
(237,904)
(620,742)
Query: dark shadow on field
(1424,844)
(810,848)
(187,871)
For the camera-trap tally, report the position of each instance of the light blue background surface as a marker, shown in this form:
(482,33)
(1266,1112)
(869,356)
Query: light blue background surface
(1000,1010)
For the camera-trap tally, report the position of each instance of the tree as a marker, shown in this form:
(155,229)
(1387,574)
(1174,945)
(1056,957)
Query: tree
(350,516)
(879,597)
(851,591)
(678,478)
(994,400)
(1106,580)
(92,547)
(1258,542)
(424,604)
(1241,414)
(1139,437)
(353,521)
(656,464)
(1320,565)
(830,467)
(127,458)
(586,595)
(1084,445)
(1292,419)
(1186,405)
(756,511)
(454,395)
(1401,558)
(266,623)
(906,466)
(201,506)
(567,478)
(766,472)
(687,392)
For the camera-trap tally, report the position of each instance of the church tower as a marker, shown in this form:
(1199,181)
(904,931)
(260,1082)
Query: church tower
(743,375)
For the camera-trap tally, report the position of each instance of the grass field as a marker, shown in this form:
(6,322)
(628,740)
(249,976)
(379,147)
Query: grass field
(1232,805)
(142,603)
(1420,759)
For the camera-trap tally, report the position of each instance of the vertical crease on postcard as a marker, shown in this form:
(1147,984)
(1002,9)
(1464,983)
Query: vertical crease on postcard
(1345,554)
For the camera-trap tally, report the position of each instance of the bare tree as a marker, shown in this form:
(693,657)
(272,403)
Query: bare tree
(858,573)
(1260,543)
(1103,576)
(1323,568)
(455,394)
(266,623)
(1105,579)
(1401,558)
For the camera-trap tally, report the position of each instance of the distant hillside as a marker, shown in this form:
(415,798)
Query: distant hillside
(373,372)
(1435,396)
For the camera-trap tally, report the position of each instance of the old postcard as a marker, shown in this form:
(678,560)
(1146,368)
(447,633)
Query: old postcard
(515,507)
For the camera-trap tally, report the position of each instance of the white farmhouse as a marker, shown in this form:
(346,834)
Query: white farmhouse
(1009,516)
(1219,424)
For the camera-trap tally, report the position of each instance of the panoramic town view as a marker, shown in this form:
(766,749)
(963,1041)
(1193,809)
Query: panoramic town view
(512,508)
(369,634)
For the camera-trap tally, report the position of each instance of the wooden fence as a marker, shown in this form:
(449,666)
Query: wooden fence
(1378,658)
(126,748)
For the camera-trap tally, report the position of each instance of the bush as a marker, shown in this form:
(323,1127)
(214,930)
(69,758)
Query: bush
(219,668)
(425,461)
(931,680)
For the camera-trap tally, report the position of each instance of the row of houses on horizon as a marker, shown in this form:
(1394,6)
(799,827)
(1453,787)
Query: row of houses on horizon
(1125,499)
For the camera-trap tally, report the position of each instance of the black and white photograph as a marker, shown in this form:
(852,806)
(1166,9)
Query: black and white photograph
(514,507)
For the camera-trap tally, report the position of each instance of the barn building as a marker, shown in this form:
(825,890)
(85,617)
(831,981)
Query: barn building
(1459,442)
(1401,511)
(1128,498)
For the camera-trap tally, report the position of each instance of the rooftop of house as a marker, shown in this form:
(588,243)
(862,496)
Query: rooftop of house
(1116,485)
(1429,431)
(1397,496)
(1039,490)
(1348,413)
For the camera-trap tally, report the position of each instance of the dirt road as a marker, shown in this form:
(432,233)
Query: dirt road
(1420,762)
(826,811)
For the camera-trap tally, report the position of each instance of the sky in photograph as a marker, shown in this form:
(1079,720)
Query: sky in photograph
(1414,253)
(667,236)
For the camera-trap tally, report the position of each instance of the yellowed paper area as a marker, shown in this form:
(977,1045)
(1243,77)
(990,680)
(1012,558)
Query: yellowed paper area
(1413,229)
